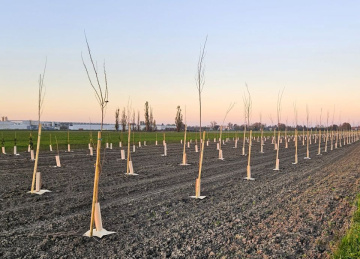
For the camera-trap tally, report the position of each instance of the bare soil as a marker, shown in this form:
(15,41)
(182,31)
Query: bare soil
(297,212)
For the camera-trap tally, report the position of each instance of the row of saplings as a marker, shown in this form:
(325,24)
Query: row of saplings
(334,138)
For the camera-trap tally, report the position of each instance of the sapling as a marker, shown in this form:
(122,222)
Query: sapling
(345,136)
(319,138)
(236,141)
(248,168)
(277,162)
(165,146)
(296,134)
(184,160)
(274,137)
(262,136)
(227,112)
(307,134)
(247,111)
(303,138)
(41,95)
(101,94)
(200,80)
(339,131)
(332,131)
(129,166)
(327,131)
(129,162)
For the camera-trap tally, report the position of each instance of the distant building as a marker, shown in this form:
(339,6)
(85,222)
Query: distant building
(27,125)
(6,124)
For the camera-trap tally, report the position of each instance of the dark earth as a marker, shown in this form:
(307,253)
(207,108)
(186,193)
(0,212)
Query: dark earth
(300,211)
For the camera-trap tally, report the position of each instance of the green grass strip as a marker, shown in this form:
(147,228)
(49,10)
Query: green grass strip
(80,139)
(349,246)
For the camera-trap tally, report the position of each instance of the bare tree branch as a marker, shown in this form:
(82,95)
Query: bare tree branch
(42,91)
(100,93)
(278,107)
(247,105)
(91,83)
(231,106)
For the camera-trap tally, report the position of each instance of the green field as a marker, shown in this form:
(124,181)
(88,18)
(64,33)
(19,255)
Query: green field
(80,139)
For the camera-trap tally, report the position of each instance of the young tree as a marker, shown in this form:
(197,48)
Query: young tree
(278,110)
(231,106)
(146,115)
(327,131)
(129,165)
(41,96)
(247,109)
(117,112)
(319,136)
(247,113)
(123,119)
(262,135)
(296,134)
(178,119)
(200,79)
(101,94)
(332,131)
(307,134)
(274,137)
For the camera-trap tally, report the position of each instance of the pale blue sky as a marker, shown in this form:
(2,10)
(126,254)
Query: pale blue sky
(312,48)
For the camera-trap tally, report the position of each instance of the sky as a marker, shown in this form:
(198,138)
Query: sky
(311,49)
